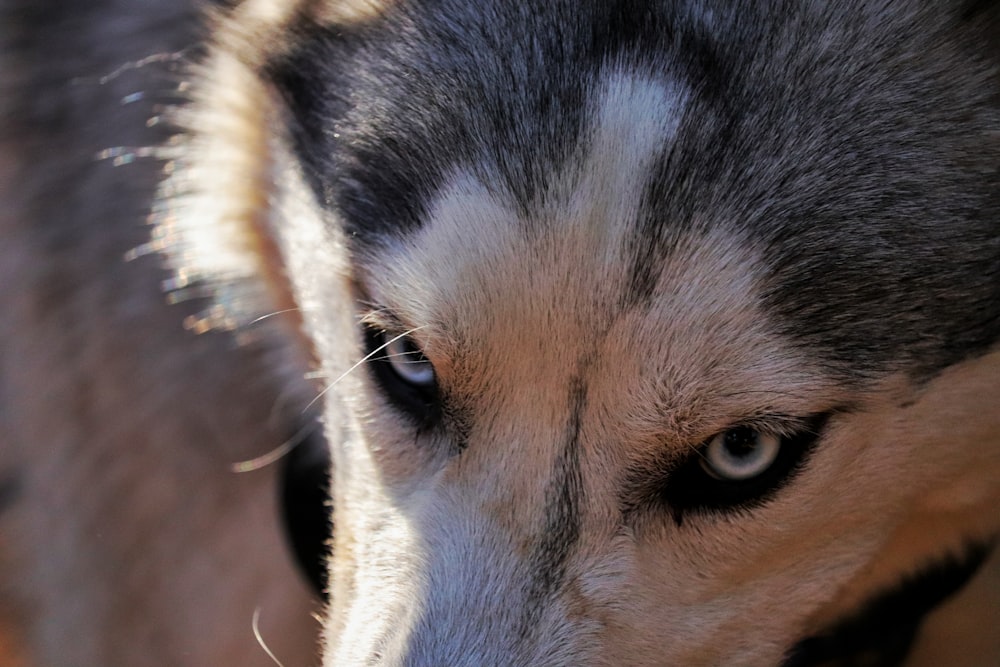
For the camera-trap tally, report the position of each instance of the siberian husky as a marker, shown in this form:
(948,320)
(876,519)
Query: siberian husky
(650,333)
(653,333)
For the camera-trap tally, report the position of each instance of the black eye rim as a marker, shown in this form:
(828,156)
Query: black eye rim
(419,402)
(690,488)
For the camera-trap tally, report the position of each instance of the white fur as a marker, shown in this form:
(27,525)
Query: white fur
(511,311)
(433,546)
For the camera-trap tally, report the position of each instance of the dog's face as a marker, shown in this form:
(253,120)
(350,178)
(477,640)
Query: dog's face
(653,334)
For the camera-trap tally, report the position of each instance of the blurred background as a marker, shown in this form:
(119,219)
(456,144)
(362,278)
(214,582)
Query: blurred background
(127,538)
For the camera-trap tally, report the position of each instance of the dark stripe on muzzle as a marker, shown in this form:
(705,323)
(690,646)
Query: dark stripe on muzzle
(561,529)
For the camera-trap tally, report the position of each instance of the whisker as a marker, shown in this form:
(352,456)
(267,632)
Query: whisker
(373,308)
(167,57)
(260,638)
(270,315)
(697,451)
(405,356)
(275,454)
(770,392)
(350,370)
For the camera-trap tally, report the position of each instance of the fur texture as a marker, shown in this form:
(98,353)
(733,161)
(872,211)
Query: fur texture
(615,232)
(612,233)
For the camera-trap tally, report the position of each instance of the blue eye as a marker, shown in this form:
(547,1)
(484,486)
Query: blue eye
(405,376)
(739,468)
(408,361)
(740,454)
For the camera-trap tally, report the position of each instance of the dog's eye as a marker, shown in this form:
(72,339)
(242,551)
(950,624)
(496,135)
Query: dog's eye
(404,374)
(741,467)
(740,454)
(408,361)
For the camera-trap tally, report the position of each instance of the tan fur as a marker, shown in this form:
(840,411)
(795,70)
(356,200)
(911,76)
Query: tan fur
(953,634)
(706,359)
(120,428)
(658,380)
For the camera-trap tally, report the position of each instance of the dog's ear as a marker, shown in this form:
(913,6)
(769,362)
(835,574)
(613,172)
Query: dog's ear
(343,12)
(231,179)
(214,205)
(230,184)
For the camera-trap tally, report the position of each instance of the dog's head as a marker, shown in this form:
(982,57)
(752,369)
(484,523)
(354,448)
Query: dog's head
(653,333)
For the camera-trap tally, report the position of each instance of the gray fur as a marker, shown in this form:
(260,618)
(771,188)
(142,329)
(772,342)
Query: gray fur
(849,152)
(814,253)
(842,126)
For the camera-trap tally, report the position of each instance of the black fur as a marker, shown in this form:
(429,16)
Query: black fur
(559,536)
(867,178)
(882,633)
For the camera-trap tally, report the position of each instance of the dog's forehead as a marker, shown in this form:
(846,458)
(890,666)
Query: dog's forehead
(856,178)
(478,238)
(526,297)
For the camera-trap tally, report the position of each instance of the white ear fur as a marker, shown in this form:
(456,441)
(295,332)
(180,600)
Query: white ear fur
(214,220)
(342,12)
(230,185)
(213,216)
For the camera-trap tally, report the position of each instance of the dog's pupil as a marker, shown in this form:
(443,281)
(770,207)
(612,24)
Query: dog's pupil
(741,442)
